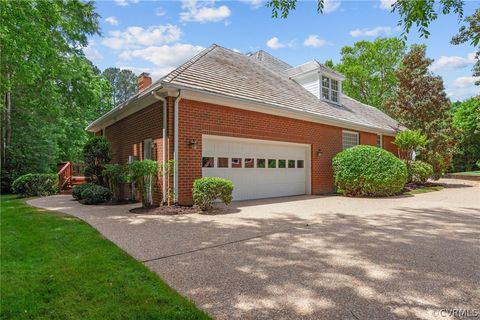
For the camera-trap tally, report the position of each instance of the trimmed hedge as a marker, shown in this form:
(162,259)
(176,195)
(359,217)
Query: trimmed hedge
(95,194)
(369,171)
(36,184)
(77,190)
(208,189)
(420,171)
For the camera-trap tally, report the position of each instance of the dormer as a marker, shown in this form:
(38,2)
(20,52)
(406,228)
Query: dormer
(321,81)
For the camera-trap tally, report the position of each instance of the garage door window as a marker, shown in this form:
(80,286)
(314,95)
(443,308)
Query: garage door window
(207,162)
(249,163)
(299,164)
(291,163)
(349,139)
(260,163)
(282,163)
(222,162)
(272,163)
(236,162)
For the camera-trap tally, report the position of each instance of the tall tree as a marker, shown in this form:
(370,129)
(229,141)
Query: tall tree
(49,88)
(370,69)
(123,82)
(420,103)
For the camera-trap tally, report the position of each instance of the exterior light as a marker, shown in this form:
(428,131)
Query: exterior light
(193,144)
(319,153)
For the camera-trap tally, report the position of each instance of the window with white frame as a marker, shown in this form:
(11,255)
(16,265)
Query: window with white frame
(379,141)
(147,149)
(349,139)
(330,89)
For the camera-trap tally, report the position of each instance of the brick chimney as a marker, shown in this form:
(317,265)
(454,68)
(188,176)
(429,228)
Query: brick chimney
(144,81)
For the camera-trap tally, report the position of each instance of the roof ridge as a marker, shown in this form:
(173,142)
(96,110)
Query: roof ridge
(177,71)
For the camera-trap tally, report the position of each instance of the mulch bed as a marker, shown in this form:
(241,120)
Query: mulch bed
(412,186)
(165,210)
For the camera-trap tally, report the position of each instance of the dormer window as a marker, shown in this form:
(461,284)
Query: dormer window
(329,89)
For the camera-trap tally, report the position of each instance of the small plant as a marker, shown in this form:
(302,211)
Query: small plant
(96,154)
(78,189)
(167,169)
(209,189)
(368,171)
(36,184)
(420,172)
(95,194)
(143,174)
(409,141)
(114,176)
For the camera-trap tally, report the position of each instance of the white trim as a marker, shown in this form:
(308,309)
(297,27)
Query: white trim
(350,132)
(175,145)
(381,140)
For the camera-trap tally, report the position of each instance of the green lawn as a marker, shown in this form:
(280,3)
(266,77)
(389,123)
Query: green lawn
(469,173)
(424,189)
(54,266)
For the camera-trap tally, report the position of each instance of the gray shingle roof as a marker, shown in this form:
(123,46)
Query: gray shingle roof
(222,71)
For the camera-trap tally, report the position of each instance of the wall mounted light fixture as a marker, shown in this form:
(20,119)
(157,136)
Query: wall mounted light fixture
(319,153)
(193,144)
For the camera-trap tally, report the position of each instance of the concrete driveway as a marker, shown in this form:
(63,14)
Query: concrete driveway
(311,257)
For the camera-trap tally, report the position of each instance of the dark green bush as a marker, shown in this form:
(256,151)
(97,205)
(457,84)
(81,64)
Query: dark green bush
(96,153)
(36,184)
(96,194)
(420,171)
(208,189)
(369,172)
(77,190)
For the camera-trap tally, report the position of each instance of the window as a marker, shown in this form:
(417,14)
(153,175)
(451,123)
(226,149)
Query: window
(349,139)
(282,163)
(249,163)
(272,163)
(379,141)
(207,162)
(330,89)
(300,164)
(260,163)
(222,162)
(291,163)
(147,149)
(236,162)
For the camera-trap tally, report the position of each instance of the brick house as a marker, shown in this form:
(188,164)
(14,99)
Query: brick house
(271,128)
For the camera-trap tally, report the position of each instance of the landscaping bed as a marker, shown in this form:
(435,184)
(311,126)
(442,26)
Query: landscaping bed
(165,210)
(413,188)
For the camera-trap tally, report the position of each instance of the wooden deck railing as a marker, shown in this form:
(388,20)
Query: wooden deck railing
(64,175)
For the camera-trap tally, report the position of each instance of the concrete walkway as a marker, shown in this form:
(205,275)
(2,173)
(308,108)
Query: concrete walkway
(311,257)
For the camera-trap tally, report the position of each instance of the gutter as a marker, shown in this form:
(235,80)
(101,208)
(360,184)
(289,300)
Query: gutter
(164,143)
(175,145)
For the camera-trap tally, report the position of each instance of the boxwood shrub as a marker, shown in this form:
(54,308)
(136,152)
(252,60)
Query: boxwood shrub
(420,171)
(78,189)
(209,189)
(95,194)
(36,184)
(368,171)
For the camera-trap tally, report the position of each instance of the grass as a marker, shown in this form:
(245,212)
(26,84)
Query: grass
(54,266)
(424,189)
(469,173)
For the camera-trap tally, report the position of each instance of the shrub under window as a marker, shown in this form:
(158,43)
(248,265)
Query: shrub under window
(369,171)
(209,189)
(36,184)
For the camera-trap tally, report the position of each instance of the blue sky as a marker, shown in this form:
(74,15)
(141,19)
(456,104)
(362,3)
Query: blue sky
(157,36)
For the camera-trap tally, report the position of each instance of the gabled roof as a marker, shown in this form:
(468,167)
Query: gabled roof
(313,65)
(260,78)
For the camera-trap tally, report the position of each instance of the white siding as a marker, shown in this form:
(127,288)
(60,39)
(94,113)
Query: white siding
(311,83)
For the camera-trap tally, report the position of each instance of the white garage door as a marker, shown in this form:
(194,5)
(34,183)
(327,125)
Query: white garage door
(257,168)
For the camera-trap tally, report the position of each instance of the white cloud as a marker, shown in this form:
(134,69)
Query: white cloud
(387,4)
(463,88)
(112,21)
(138,36)
(163,56)
(275,43)
(124,3)
(204,11)
(91,52)
(160,12)
(330,5)
(453,62)
(370,32)
(255,3)
(314,41)
(463,82)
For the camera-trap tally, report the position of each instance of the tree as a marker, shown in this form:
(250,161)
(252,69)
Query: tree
(370,69)
(471,33)
(420,103)
(466,118)
(96,154)
(123,82)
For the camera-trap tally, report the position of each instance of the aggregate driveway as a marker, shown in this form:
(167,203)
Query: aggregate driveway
(312,257)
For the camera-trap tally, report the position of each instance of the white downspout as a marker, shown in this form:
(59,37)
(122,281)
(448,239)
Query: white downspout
(164,143)
(175,145)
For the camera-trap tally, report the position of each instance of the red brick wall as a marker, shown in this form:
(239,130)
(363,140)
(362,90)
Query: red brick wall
(197,118)
(127,135)
(389,145)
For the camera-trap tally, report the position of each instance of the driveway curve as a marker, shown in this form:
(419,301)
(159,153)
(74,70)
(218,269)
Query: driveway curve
(312,257)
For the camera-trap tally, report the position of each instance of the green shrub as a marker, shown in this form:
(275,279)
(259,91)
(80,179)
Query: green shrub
(143,174)
(96,153)
(114,175)
(419,171)
(36,184)
(409,141)
(208,189)
(369,171)
(77,190)
(95,194)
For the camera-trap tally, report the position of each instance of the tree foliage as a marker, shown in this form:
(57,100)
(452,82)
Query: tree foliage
(50,91)
(143,173)
(96,154)
(123,83)
(466,119)
(420,103)
(370,69)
